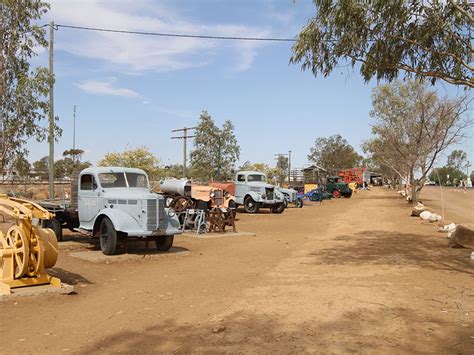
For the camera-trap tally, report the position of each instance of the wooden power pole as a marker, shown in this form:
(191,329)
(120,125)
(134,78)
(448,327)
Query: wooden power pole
(185,138)
(51,111)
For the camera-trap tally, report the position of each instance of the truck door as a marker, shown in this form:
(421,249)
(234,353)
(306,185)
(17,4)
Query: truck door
(88,199)
(240,188)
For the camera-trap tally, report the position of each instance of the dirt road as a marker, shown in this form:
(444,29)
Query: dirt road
(351,275)
(458,203)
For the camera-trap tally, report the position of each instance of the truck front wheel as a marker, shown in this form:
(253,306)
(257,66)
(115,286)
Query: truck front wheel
(108,237)
(250,205)
(278,208)
(164,243)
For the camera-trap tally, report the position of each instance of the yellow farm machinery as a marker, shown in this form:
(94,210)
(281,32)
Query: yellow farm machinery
(26,249)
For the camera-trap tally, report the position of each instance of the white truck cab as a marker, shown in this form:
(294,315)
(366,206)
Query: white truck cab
(253,192)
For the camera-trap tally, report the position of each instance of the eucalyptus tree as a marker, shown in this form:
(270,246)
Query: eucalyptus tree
(427,39)
(23,89)
(216,150)
(333,154)
(413,126)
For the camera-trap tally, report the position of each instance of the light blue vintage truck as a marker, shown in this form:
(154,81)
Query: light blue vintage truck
(114,203)
(253,192)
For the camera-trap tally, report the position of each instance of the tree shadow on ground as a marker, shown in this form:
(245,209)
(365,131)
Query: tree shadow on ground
(391,248)
(68,277)
(384,330)
(383,197)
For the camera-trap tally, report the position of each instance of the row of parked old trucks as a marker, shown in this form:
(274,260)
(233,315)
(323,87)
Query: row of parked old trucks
(112,203)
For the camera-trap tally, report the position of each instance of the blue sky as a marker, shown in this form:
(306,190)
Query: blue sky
(133,90)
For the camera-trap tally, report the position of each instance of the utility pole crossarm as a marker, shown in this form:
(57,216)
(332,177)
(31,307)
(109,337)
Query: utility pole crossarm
(185,138)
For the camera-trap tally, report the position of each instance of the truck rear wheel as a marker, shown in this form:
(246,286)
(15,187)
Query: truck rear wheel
(299,203)
(250,205)
(108,237)
(164,243)
(56,226)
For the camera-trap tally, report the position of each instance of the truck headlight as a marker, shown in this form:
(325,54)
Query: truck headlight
(212,194)
(171,212)
(263,196)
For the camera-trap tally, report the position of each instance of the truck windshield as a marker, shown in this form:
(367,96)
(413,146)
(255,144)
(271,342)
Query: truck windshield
(256,177)
(137,180)
(110,180)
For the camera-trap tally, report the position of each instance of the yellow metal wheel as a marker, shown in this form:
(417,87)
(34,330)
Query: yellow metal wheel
(16,240)
(36,261)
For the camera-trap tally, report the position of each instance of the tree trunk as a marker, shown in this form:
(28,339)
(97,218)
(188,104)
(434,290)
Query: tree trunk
(414,197)
(2,74)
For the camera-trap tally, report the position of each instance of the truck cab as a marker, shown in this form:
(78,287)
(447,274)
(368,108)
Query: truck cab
(337,187)
(115,202)
(253,192)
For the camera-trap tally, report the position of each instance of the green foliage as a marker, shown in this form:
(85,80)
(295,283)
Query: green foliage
(173,171)
(140,158)
(74,154)
(23,90)
(40,167)
(215,150)
(424,39)
(333,154)
(412,127)
(457,159)
(281,169)
(448,176)
(22,166)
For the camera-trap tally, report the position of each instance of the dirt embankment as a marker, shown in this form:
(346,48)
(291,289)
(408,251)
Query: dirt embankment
(351,275)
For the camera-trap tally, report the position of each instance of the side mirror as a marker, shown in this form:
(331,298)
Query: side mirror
(94,186)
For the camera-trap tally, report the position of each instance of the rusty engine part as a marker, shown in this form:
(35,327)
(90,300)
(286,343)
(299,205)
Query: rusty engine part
(182,196)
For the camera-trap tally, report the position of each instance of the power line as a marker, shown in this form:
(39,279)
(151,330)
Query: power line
(180,35)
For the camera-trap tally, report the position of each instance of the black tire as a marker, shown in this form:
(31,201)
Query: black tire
(232,207)
(299,203)
(164,243)
(250,205)
(56,226)
(108,237)
(278,208)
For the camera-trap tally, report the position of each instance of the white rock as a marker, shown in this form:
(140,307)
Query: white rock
(447,228)
(435,217)
(425,215)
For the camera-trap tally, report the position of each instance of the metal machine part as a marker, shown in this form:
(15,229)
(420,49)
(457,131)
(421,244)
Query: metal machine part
(26,249)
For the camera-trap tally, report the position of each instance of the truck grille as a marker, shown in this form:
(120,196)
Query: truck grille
(269,193)
(218,197)
(152,209)
(161,211)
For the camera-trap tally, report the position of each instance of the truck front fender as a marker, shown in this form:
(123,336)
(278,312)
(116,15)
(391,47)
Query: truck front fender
(122,221)
(280,195)
(255,196)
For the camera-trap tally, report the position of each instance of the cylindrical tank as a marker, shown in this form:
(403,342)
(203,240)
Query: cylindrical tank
(180,187)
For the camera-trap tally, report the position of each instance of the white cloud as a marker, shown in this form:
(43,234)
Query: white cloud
(105,88)
(138,53)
